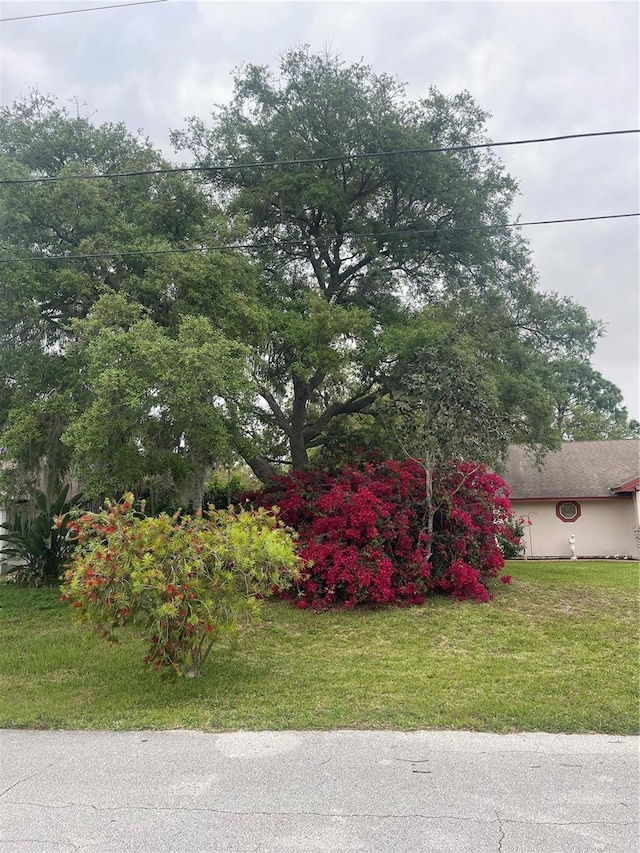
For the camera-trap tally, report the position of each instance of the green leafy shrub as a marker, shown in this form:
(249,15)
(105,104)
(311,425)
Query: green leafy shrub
(512,544)
(225,489)
(39,541)
(184,581)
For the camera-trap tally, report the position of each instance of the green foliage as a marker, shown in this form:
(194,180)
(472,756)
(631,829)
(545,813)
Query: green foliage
(443,404)
(339,302)
(512,546)
(111,365)
(133,369)
(38,538)
(182,581)
(225,487)
(587,406)
(157,398)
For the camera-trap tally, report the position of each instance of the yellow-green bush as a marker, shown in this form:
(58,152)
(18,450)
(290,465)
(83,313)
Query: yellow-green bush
(184,581)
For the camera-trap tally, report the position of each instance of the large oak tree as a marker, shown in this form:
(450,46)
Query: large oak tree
(114,364)
(360,234)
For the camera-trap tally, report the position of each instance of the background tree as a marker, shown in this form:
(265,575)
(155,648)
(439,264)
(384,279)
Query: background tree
(353,244)
(157,399)
(79,381)
(587,407)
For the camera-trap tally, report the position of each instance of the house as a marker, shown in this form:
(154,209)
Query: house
(583,499)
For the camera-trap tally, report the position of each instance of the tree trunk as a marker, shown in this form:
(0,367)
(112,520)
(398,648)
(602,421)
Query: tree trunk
(260,466)
(299,456)
(431,510)
(198,488)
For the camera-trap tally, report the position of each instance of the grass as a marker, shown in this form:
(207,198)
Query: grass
(556,651)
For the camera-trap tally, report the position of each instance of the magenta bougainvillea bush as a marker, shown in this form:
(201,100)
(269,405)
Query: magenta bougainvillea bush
(363,533)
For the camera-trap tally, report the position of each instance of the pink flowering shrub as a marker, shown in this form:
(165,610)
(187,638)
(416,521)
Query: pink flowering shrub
(362,533)
(474,515)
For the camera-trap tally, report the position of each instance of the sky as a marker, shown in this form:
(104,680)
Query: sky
(539,68)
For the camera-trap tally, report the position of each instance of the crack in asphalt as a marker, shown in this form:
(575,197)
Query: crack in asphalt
(414,815)
(248,813)
(412,760)
(501,832)
(70,845)
(27,778)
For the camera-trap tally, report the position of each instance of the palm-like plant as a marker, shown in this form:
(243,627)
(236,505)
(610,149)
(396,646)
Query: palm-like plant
(39,543)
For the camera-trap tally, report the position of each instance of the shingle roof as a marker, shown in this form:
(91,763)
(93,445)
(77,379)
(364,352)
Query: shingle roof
(580,469)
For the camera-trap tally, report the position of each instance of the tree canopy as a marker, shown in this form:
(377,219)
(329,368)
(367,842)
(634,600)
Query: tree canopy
(114,364)
(354,249)
(366,255)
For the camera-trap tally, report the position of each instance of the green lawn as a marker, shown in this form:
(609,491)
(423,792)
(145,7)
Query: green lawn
(556,651)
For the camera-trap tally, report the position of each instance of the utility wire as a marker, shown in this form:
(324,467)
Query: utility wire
(74,11)
(227,167)
(371,235)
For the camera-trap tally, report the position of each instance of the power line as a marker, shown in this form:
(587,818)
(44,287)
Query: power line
(227,167)
(371,235)
(91,9)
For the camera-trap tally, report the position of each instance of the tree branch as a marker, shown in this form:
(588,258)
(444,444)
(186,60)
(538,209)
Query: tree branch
(350,407)
(281,418)
(261,468)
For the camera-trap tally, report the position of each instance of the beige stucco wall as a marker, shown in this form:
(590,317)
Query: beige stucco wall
(605,528)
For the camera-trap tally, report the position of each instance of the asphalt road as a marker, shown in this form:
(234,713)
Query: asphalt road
(191,792)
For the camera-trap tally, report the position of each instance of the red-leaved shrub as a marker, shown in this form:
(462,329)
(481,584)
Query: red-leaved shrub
(363,532)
